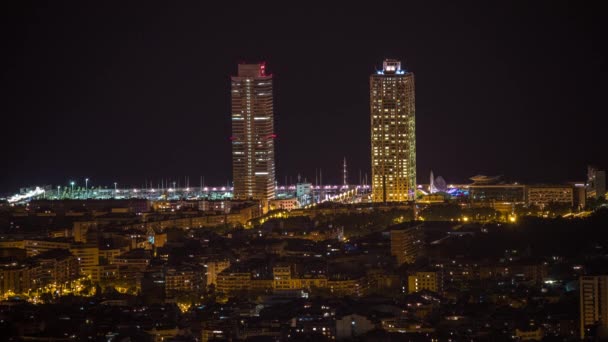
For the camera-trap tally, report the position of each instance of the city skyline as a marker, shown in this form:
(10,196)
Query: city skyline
(394,171)
(126,108)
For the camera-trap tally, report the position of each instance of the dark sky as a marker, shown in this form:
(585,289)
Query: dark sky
(119,91)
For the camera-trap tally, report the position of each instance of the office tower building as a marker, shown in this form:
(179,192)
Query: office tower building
(593,304)
(253,134)
(393,134)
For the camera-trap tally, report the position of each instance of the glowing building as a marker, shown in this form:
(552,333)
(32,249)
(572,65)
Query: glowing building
(253,135)
(393,133)
(425,280)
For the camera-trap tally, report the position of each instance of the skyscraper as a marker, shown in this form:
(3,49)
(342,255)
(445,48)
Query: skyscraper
(253,134)
(393,133)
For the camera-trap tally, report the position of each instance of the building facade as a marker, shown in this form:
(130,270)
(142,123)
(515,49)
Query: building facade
(393,133)
(284,204)
(425,280)
(593,302)
(406,244)
(185,280)
(253,166)
(542,196)
(214,268)
(596,182)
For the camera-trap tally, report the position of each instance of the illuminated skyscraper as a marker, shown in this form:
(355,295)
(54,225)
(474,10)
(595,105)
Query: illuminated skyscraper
(393,133)
(253,134)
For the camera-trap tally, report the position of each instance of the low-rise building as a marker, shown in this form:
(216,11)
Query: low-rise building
(88,259)
(35,247)
(425,280)
(18,277)
(284,204)
(57,266)
(345,286)
(351,326)
(185,280)
(233,281)
(529,335)
(544,195)
(406,244)
(215,267)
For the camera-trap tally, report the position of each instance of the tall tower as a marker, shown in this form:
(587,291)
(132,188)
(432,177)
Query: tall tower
(393,133)
(253,134)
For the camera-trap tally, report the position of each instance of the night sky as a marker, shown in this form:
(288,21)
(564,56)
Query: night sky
(128,92)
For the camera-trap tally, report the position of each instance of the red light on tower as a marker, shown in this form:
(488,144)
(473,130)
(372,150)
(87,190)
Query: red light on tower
(263,69)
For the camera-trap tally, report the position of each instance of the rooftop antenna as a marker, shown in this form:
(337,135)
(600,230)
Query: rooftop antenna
(345,180)
(321,177)
(321,183)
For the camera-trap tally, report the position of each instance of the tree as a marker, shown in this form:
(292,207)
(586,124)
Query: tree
(481,214)
(442,212)
(522,210)
(594,203)
(46,297)
(558,209)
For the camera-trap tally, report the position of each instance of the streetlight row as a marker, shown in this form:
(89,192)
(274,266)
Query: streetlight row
(86,186)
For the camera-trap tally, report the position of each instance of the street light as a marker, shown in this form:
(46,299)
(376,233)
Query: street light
(72,189)
(86,184)
(115,188)
(58,187)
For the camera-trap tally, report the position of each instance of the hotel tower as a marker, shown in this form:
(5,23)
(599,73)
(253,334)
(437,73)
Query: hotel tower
(393,133)
(253,135)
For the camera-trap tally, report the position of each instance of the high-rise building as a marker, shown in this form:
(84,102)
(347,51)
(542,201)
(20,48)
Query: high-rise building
(596,182)
(393,133)
(406,244)
(593,303)
(253,134)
